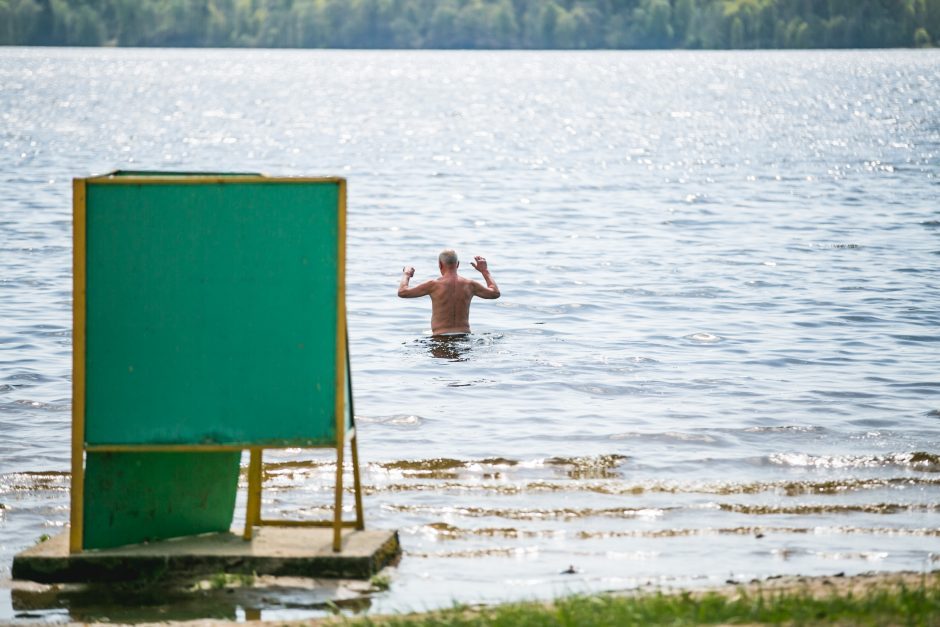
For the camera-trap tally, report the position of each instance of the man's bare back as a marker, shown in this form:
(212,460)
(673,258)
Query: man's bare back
(450,293)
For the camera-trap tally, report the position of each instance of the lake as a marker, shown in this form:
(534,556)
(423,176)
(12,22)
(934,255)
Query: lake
(714,357)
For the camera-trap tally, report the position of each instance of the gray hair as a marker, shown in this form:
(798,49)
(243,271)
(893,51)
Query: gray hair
(448,257)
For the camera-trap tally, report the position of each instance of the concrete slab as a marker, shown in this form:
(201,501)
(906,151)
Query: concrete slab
(278,551)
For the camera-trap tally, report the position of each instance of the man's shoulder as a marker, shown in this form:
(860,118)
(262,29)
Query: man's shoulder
(438,283)
(466,284)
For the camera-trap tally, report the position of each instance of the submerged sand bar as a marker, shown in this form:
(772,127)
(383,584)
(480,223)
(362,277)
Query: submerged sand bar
(291,551)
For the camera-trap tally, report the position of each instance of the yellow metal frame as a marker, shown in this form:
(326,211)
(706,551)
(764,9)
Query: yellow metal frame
(76,531)
(203,179)
(253,509)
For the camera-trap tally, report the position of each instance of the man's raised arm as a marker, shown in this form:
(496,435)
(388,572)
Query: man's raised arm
(412,292)
(491,290)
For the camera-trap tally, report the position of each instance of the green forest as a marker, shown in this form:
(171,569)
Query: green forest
(488,24)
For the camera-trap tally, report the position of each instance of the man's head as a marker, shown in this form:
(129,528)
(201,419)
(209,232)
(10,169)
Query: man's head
(447,260)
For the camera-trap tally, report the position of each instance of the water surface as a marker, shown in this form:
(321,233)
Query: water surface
(714,357)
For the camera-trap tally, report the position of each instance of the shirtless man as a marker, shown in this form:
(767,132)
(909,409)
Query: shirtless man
(450,294)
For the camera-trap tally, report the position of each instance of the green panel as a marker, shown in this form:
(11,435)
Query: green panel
(138,497)
(211,313)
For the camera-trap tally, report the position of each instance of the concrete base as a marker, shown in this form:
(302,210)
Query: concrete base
(278,551)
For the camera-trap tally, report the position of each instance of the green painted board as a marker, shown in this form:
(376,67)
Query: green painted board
(211,313)
(210,319)
(138,497)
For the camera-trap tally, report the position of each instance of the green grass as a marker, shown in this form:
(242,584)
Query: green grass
(884,605)
(381,582)
(228,580)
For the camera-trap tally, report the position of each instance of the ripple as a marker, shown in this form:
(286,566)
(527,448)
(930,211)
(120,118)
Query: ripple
(704,338)
(785,429)
(33,481)
(844,394)
(925,462)
(409,421)
(506,484)
(22,405)
(33,377)
(605,390)
(669,436)
(425,464)
(448,531)
(917,338)
(832,508)
(560,513)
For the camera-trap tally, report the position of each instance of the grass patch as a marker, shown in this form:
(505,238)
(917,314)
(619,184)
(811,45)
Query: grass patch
(381,582)
(897,603)
(230,580)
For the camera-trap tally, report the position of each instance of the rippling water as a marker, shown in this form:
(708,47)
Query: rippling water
(715,356)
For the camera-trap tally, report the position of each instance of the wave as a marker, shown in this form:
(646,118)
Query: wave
(448,531)
(918,460)
(534,513)
(599,474)
(571,513)
(783,488)
(829,508)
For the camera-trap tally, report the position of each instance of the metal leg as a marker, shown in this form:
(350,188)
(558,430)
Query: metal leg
(253,507)
(357,484)
(76,531)
(338,505)
(353,445)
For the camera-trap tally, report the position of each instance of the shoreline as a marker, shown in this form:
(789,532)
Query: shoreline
(861,589)
(873,591)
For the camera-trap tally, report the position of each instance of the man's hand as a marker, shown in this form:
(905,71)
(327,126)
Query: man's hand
(491,290)
(412,292)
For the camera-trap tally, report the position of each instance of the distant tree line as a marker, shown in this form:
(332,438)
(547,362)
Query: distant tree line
(567,24)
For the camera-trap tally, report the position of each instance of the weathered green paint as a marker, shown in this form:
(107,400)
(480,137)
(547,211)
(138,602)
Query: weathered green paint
(211,314)
(138,497)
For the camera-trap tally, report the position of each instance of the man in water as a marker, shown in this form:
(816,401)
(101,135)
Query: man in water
(451,293)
